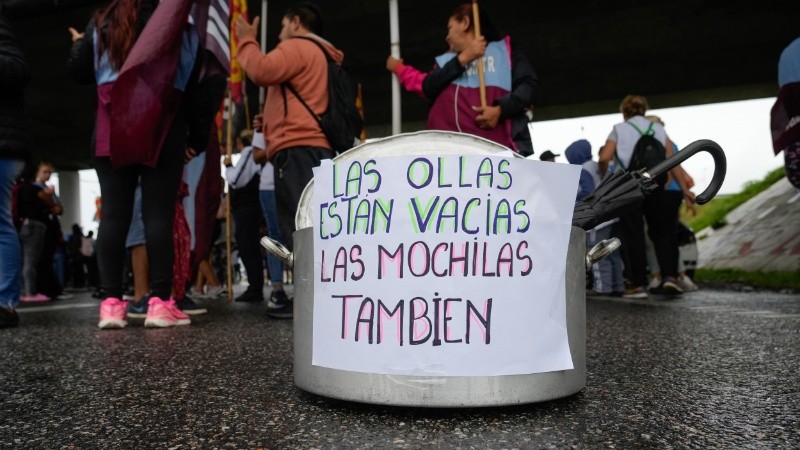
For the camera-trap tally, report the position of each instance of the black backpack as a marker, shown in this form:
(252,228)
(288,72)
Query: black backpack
(341,122)
(647,152)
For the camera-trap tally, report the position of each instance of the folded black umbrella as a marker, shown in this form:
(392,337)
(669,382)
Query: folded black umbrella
(617,194)
(623,191)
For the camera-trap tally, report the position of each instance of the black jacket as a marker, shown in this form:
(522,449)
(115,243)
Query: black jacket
(14,75)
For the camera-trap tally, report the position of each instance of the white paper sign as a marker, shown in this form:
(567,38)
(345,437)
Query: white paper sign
(442,265)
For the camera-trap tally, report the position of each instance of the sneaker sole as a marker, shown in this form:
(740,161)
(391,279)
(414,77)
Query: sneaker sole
(636,296)
(280,315)
(110,324)
(163,323)
(671,289)
(195,312)
(135,315)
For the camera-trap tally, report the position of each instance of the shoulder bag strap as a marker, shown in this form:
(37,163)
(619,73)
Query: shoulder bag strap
(293,91)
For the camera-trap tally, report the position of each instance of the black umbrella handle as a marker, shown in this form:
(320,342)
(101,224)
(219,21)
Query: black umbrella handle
(703,145)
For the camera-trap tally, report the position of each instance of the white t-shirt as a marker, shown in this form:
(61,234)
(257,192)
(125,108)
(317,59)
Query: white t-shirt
(267,181)
(626,136)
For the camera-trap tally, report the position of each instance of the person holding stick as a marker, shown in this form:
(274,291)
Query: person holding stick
(454,86)
(243,180)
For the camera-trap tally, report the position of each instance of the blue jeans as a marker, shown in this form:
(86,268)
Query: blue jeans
(136,230)
(9,242)
(270,212)
(608,271)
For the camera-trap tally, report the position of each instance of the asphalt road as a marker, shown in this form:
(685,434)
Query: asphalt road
(716,369)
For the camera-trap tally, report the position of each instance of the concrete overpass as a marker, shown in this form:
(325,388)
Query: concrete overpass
(588,53)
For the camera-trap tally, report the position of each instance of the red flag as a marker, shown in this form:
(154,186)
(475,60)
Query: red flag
(207,200)
(144,100)
(238,9)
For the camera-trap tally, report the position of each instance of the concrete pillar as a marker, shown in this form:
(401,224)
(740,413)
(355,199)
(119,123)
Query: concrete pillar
(69,190)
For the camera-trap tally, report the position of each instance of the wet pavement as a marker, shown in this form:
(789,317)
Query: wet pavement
(715,369)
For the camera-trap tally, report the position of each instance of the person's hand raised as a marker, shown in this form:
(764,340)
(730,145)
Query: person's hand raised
(245,29)
(74,34)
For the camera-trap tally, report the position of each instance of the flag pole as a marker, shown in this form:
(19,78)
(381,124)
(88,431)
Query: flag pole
(228,224)
(261,90)
(394,43)
(476,21)
(247,125)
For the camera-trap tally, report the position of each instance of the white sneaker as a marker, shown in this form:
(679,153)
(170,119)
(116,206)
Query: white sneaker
(687,284)
(655,282)
(194,293)
(214,291)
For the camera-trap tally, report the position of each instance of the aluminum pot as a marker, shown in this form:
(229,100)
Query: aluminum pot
(431,391)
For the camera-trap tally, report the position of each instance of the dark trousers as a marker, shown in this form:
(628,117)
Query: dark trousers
(293,170)
(47,281)
(159,194)
(660,209)
(247,217)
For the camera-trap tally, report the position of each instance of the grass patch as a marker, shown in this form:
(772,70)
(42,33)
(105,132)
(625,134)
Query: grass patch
(713,213)
(769,280)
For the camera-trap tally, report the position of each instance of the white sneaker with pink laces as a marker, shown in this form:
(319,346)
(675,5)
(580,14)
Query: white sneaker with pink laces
(164,313)
(112,314)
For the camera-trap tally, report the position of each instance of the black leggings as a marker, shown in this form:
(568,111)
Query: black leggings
(159,193)
(248,219)
(660,209)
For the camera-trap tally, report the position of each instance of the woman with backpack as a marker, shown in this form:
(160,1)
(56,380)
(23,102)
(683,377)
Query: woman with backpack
(624,150)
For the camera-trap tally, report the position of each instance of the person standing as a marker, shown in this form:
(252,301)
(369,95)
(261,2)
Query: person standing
(48,282)
(14,151)
(785,113)
(656,207)
(294,140)
(276,306)
(36,202)
(243,179)
(452,87)
(673,198)
(97,56)
(606,273)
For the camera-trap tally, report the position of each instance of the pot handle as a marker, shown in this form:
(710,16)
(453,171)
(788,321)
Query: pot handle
(703,145)
(277,249)
(601,250)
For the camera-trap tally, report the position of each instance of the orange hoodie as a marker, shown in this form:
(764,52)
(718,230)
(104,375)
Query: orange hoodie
(301,64)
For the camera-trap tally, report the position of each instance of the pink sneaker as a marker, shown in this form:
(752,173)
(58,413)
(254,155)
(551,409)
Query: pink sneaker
(34,298)
(164,313)
(112,314)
